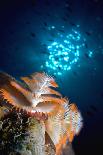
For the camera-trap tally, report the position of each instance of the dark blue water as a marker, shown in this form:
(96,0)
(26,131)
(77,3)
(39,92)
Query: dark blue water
(25,34)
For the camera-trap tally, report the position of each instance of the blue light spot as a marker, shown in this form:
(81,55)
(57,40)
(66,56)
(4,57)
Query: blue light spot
(55,62)
(90,54)
(59,73)
(65,53)
(77,47)
(53,27)
(78,25)
(54,43)
(49,47)
(66,58)
(69,68)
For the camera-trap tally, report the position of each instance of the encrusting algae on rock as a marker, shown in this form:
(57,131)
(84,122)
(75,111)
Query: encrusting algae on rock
(34,118)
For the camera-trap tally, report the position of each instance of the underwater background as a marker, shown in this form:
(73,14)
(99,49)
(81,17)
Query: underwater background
(64,38)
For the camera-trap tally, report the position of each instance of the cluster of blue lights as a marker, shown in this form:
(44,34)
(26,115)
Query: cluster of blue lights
(64,52)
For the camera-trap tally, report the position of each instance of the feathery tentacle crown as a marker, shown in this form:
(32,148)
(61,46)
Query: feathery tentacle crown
(35,95)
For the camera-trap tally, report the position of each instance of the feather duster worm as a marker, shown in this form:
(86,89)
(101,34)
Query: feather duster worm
(36,106)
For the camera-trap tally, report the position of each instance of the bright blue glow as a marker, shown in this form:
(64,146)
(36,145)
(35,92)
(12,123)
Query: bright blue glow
(64,52)
(54,43)
(53,27)
(90,54)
